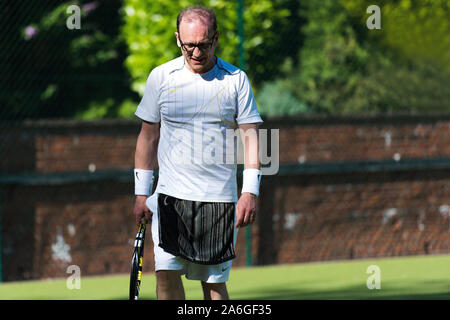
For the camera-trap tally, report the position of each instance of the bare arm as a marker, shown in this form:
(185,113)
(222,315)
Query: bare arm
(147,146)
(145,158)
(249,136)
(246,206)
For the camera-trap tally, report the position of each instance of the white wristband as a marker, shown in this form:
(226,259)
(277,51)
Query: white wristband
(143,182)
(251,181)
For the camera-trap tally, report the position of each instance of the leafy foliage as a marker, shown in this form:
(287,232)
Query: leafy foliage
(54,72)
(301,56)
(149,28)
(275,99)
(418,30)
(346,68)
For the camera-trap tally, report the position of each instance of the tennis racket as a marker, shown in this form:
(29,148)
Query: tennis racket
(136,263)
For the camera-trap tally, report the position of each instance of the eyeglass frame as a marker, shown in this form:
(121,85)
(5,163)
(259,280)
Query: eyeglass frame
(207,45)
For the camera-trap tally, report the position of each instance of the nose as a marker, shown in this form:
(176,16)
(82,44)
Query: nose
(196,53)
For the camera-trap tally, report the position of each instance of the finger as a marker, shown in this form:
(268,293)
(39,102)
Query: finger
(137,220)
(252,217)
(239,221)
(139,217)
(247,217)
(148,216)
(239,217)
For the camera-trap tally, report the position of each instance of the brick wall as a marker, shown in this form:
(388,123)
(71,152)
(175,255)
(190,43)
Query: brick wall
(48,224)
(48,228)
(360,139)
(335,217)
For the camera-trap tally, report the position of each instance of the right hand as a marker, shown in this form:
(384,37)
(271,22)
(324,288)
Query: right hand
(141,210)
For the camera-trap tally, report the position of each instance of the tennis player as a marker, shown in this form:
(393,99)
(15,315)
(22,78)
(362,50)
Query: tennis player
(189,106)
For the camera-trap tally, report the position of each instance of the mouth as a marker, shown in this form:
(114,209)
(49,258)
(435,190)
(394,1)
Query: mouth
(197,61)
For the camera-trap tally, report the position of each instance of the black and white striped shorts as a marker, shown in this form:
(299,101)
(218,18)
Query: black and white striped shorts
(199,232)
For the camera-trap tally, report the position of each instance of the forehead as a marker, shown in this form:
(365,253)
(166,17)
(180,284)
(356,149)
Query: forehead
(194,29)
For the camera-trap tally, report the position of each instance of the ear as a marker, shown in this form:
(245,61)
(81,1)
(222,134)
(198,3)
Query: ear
(177,36)
(216,38)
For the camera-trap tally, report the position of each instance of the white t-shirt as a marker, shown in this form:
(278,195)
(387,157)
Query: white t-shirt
(199,114)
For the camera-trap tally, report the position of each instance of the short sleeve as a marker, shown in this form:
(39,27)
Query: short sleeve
(247,111)
(148,109)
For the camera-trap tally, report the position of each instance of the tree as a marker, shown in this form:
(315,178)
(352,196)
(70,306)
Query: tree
(418,30)
(51,71)
(270,35)
(346,68)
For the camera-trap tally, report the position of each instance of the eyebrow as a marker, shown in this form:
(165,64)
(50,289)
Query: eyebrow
(206,42)
(197,44)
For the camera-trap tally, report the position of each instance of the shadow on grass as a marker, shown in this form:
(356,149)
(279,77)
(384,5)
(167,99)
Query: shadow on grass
(426,290)
(440,291)
(346,294)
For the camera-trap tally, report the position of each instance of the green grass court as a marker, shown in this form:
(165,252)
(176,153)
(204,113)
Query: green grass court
(419,277)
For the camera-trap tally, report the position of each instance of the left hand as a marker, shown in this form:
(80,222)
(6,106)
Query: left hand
(245,210)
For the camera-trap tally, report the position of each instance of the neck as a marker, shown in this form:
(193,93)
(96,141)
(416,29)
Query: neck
(207,68)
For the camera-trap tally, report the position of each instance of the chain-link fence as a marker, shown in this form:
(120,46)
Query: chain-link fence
(90,59)
(363,165)
(52,71)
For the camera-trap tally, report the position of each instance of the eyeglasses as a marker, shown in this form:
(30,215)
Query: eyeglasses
(190,47)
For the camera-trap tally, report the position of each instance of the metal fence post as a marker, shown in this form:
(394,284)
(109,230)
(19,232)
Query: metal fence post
(241,61)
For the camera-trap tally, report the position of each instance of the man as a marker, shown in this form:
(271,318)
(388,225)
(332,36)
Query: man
(189,106)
